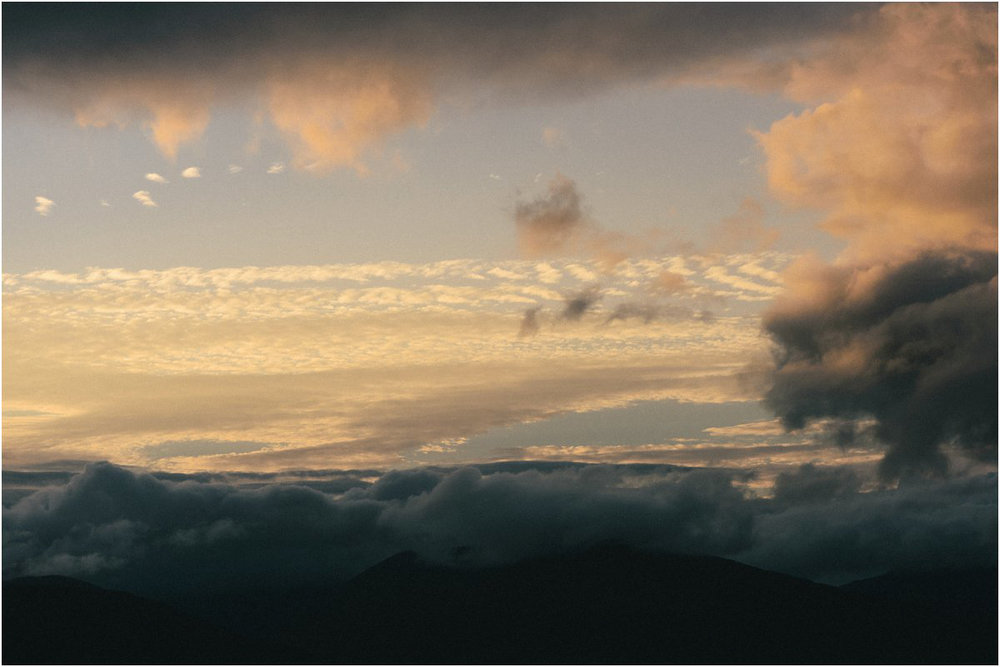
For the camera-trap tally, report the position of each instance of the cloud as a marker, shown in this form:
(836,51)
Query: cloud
(143,197)
(880,165)
(529,323)
(553,223)
(43,205)
(720,275)
(276,168)
(140,357)
(339,80)
(577,304)
(333,116)
(235,169)
(669,282)
(902,327)
(912,344)
(191,172)
(648,312)
(174,110)
(156,178)
(145,532)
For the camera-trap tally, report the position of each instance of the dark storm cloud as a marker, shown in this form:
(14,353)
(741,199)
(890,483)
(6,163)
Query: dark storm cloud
(545,47)
(912,345)
(579,303)
(811,484)
(336,79)
(131,530)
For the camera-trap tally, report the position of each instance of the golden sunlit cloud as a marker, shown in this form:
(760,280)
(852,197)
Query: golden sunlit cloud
(144,198)
(904,145)
(174,112)
(191,172)
(43,205)
(331,363)
(334,115)
(156,178)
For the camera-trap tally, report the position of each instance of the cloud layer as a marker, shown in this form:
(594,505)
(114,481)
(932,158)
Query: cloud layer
(328,365)
(337,80)
(140,531)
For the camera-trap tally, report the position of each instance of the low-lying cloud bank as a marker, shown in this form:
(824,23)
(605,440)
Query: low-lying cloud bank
(153,533)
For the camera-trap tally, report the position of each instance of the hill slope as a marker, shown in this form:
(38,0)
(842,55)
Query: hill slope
(617,605)
(610,604)
(58,620)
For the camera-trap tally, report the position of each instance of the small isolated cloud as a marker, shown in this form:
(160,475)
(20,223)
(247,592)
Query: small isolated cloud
(142,196)
(495,177)
(191,172)
(235,169)
(577,304)
(276,168)
(105,204)
(552,222)
(156,178)
(43,205)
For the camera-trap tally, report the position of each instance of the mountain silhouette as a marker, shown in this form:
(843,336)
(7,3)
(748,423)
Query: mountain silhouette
(607,605)
(613,604)
(59,620)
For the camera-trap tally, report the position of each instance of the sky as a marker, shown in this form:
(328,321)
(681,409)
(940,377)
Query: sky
(320,242)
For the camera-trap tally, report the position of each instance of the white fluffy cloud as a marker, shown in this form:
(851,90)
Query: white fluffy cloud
(144,198)
(156,178)
(191,172)
(43,205)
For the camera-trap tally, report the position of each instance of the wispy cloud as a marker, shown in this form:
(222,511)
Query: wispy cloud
(43,205)
(191,172)
(276,168)
(156,178)
(235,169)
(143,197)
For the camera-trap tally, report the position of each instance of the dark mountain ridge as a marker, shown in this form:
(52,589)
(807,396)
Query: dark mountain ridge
(59,620)
(607,605)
